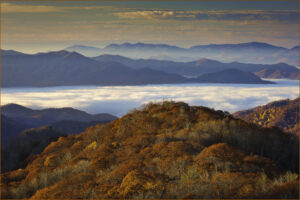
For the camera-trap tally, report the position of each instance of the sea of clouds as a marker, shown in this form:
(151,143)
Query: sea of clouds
(118,100)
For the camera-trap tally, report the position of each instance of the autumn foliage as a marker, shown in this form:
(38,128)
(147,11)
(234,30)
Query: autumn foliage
(283,114)
(163,150)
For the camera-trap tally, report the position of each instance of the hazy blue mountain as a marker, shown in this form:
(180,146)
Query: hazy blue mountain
(10,52)
(127,49)
(287,71)
(70,68)
(241,46)
(84,47)
(142,47)
(202,66)
(289,56)
(231,76)
(85,50)
(37,118)
(65,68)
(295,48)
(251,52)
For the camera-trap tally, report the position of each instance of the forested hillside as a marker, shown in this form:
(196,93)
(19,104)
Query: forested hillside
(166,150)
(283,114)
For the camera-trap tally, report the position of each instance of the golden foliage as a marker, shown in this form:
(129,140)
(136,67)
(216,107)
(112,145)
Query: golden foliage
(165,150)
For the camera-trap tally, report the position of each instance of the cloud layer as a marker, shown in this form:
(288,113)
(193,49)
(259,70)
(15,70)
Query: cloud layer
(33,26)
(119,100)
(236,15)
(15,8)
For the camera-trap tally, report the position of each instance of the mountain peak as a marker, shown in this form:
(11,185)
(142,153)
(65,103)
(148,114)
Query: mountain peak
(14,106)
(206,61)
(149,150)
(61,53)
(259,45)
(10,52)
(295,48)
(141,45)
(254,44)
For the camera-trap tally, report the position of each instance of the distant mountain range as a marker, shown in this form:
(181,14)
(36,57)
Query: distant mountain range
(10,53)
(230,76)
(283,114)
(202,66)
(252,52)
(65,68)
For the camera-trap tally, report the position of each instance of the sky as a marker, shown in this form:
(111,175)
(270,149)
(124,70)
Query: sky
(34,26)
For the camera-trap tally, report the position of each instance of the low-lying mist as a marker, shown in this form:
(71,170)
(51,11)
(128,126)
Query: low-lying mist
(118,100)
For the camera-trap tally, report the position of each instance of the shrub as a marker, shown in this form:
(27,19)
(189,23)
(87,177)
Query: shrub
(287,177)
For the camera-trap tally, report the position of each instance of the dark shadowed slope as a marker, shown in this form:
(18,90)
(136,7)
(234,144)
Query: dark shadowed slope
(283,114)
(74,127)
(168,150)
(25,145)
(9,129)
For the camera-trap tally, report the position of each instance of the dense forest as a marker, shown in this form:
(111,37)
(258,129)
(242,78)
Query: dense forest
(283,114)
(163,150)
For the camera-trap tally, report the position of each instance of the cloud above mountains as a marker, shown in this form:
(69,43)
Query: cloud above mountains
(277,15)
(33,26)
(23,8)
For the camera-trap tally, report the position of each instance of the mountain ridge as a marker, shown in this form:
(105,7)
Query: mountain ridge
(204,65)
(63,68)
(41,117)
(249,52)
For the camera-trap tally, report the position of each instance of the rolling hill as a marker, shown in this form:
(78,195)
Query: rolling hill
(166,150)
(251,52)
(283,114)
